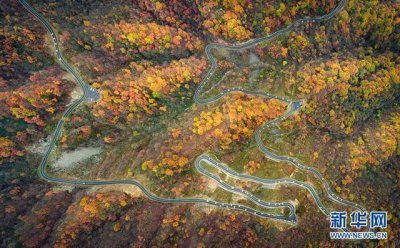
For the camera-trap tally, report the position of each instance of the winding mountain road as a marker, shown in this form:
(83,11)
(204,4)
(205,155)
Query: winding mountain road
(91,95)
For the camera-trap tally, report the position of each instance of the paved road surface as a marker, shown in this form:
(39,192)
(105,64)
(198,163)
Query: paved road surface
(92,95)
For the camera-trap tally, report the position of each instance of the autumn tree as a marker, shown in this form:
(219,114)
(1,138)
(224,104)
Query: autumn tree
(236,120)
(128,96)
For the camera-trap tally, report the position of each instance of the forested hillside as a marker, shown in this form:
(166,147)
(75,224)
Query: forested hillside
(146,58)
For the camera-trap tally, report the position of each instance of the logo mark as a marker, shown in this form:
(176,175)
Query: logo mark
(378,219)
(358,219)
(338,219)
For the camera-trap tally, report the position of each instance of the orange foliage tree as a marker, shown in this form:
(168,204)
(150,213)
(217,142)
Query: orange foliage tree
(237,119)
(130,38)
(130,96)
